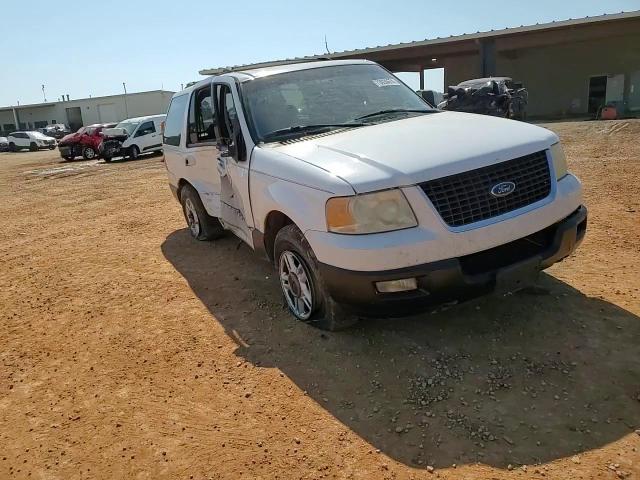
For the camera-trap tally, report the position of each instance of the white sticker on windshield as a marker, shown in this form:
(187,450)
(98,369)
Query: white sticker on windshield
(385,82)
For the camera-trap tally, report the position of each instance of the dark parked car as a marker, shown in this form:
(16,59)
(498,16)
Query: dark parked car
(85,142)
(4,144)
(57,130)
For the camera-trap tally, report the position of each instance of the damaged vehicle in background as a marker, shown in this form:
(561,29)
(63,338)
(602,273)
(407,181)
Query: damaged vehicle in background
(56,130)
(497,96)
(85,142)
(132,137)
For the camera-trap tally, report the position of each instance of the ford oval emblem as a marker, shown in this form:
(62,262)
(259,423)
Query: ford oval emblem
(503,189)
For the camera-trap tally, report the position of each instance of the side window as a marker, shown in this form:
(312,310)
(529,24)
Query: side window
(202,121)
(173,125)
(145,129)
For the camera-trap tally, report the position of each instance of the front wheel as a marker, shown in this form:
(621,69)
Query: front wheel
(202,226)
(304,291)
(88,153)
(134,152)
(33,147)
(12,147)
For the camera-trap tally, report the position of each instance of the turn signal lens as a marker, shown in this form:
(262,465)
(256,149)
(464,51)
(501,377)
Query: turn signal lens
(559,160)
(370,213)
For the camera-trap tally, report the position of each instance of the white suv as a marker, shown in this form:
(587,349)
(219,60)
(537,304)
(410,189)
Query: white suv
(368,200)
(31,140)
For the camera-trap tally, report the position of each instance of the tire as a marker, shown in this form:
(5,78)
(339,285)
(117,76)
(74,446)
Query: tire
(52,147)
(300,277)
(12,147)
(88,153)
(33,147)
(202,226)
(107,159)
(68,158)
(134,152)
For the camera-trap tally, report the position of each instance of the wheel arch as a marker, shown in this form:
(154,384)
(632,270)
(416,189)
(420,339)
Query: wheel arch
(181,184)
(274,222)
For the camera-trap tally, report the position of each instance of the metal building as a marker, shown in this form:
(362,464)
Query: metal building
(84,111)
(571,68)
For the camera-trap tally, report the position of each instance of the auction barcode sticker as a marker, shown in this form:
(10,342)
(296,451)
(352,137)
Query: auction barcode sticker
(385,82)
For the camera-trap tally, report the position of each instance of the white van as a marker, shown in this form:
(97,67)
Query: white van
(132,137)
(368,200)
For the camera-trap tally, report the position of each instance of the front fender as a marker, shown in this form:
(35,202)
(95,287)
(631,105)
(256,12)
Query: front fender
(293,187)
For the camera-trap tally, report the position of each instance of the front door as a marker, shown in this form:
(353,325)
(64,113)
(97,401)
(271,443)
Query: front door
(233,164)
(146,136)
(201,158)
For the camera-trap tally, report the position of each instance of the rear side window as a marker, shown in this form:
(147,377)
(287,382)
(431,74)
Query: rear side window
(145,129)
(201,118)
(173,125)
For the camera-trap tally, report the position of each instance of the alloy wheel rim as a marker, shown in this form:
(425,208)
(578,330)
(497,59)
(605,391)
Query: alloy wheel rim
(90,153)
(296,284)
(192,218)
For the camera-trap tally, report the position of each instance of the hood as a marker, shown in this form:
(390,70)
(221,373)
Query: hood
(417,149)
(68,138)
(115,132)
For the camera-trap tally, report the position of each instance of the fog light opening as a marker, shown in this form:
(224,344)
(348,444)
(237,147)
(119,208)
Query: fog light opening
(393,286)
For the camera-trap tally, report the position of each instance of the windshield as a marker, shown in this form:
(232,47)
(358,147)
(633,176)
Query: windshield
(129,127)
(335,95)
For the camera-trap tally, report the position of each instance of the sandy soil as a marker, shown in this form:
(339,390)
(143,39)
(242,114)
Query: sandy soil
(130,351)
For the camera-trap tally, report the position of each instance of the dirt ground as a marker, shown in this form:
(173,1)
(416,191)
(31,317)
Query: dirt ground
(130,351)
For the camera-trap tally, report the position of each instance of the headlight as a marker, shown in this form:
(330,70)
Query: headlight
(559,160)
(370,213)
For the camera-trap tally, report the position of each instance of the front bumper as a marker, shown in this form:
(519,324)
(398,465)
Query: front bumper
(503,268)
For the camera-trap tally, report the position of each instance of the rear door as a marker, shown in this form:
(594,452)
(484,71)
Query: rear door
(173,139)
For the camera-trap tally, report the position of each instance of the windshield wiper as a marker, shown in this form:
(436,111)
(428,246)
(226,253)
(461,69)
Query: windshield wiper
(394,110)
(309,129)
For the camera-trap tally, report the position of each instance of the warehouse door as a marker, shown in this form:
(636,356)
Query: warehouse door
(634,91)
(597,93)
(74,118)
(107,113)
(615,89)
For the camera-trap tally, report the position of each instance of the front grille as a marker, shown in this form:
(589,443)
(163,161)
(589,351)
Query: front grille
(466,197)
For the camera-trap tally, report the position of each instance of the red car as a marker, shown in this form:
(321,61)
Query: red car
(85,142)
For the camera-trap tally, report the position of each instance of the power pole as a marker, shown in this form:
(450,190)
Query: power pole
(126,108)
(44,95)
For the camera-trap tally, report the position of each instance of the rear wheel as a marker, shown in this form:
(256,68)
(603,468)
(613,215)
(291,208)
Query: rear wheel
(202,226)
(304,291)
(88,153)
(12,147)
